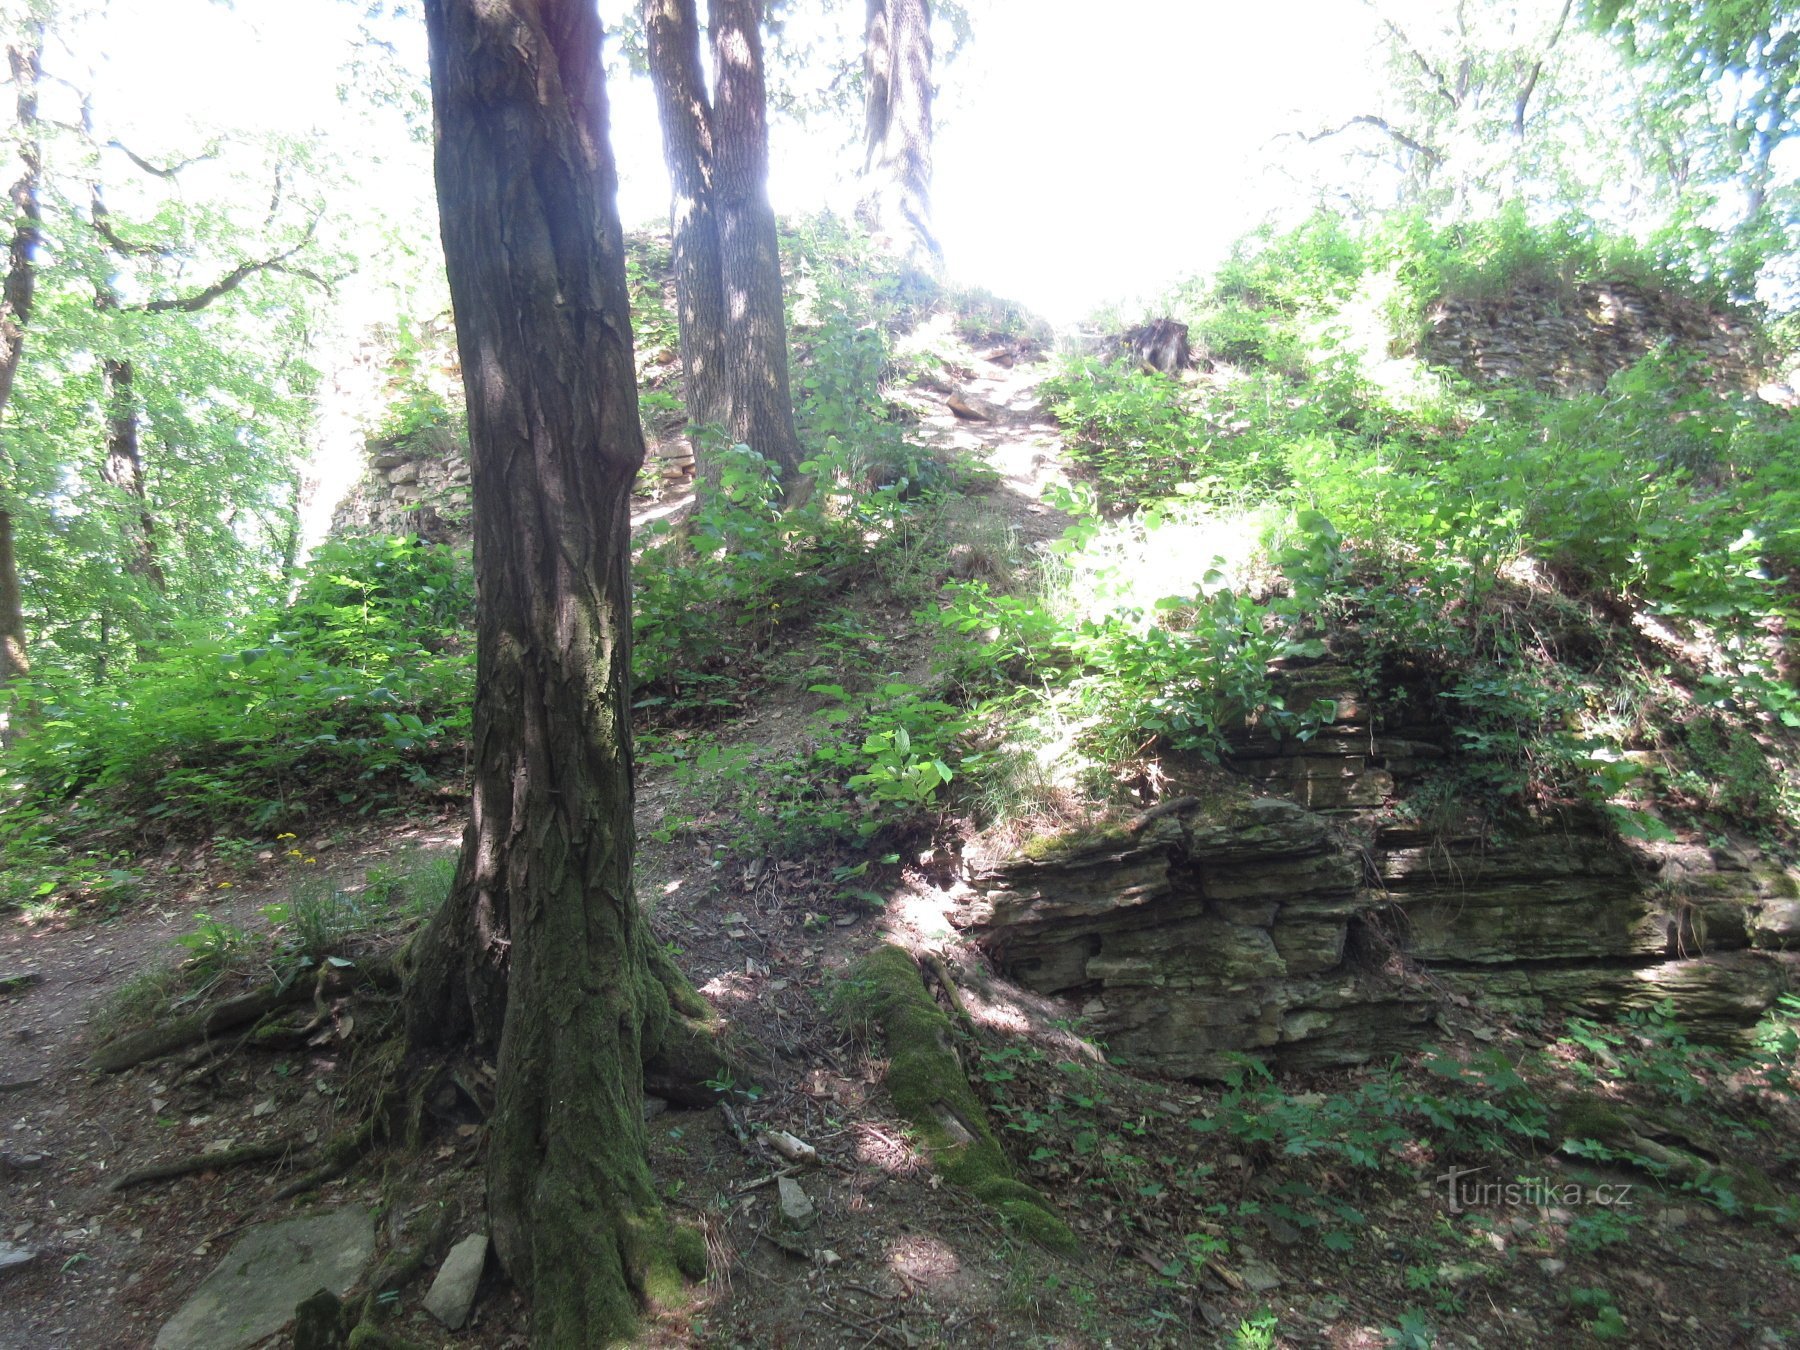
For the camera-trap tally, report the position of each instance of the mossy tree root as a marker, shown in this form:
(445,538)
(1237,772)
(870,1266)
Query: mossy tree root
(206,1162)
(928,1086)
(177,1033)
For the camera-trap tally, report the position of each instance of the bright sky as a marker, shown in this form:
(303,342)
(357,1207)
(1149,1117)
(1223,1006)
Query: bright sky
(1078,160)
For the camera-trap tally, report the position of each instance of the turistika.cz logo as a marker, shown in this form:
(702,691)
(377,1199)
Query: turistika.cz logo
(1462,1192)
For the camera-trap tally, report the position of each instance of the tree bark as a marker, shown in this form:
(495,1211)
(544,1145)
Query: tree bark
(671,29)
(762,406)
(541,947)
(23,60)
(726,253)
(123,469)
(897,61)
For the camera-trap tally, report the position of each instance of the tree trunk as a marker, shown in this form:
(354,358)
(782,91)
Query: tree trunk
(13,663)
(762,407)
(672,31)
(897,59)
(15,313)
(727,259)
(123,468)
(541,947)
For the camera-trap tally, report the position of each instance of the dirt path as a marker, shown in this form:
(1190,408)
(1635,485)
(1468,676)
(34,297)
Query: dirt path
(763,940)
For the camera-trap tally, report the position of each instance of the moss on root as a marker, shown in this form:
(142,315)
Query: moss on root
(928,1086)
(676,1259)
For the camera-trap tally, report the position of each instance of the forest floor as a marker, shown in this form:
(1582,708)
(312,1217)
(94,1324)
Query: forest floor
(1184,1239)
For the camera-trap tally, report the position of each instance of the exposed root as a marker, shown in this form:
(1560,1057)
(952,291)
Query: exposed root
(928,1086)
(340,1154)
(165,1038)
(207,1162)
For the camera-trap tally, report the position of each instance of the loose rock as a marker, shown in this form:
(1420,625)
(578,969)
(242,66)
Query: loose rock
(453,1291)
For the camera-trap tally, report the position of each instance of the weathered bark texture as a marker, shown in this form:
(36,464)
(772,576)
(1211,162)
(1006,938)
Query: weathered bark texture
(762,407)
(727,259)
(897,58)
(541,946)
(683,108)
(15,313)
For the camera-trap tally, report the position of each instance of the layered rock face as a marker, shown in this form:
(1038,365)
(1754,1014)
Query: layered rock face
(1573,343)
(1319,925)
(1224,929)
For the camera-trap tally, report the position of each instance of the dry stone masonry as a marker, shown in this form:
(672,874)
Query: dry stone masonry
(1573,341)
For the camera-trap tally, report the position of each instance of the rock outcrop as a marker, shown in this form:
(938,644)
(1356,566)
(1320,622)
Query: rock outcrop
(1320,924)
(418,484)
(1226,929)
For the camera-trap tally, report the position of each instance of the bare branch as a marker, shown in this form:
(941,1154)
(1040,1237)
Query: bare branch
(101,221)
(162,171)
(1537,69)
(237,276)
(1429,71)
(1386,128)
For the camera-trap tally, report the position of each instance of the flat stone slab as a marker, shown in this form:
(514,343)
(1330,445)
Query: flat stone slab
(453,1291)
(252,1293)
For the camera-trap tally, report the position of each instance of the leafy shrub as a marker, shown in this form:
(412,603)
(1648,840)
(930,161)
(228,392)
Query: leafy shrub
(353,693)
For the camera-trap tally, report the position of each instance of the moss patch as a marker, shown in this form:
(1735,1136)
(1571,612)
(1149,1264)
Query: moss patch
(929,1088)
(1590,1118)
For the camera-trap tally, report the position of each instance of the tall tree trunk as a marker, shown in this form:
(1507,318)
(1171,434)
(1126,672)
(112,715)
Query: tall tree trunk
(897,60)
(123,469)
(727,258)
(15,313)
(762,406)
(541,947)
(673,34)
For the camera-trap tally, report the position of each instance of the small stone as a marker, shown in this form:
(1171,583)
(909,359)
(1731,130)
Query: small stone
(653,1107)
(797,1207)
(319,1322)
(11,1256)
(1260,1277)
(828,1258)
(452,1293)
(1672,1218)
(1280,1230)
(1551,1266)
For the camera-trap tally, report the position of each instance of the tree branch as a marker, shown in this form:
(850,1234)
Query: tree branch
(211,152)
(1429,71)
(1537,69)
(1386,128)
(237,276)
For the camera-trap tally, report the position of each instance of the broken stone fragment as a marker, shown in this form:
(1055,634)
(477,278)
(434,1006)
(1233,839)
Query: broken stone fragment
(797,1208)
(452,1293)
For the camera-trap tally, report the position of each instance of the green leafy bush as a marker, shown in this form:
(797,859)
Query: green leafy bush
(352,694)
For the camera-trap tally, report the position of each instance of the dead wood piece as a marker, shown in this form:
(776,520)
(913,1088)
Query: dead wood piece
(737,1128)
(1173,807)
(204,1162)
(769,1180)
(20,1085)
(24,979)
(942,971)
